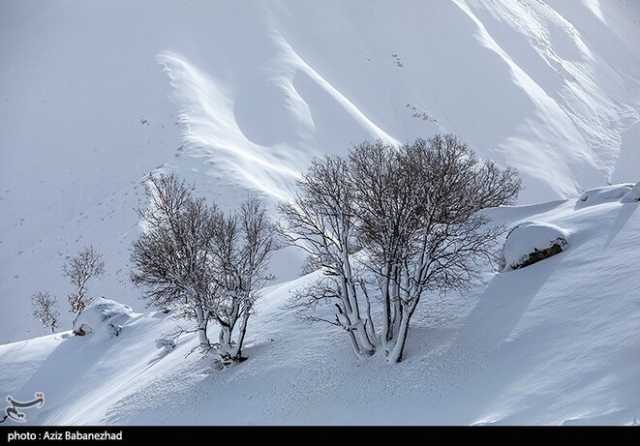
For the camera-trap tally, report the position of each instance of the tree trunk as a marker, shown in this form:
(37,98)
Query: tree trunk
(396,303)
(351,320)
(357,332)
(386,302)
(362,336)
(397,316)
(224,338)
(243,329)
(395,355)
(369,326)
(75,319)
(367,345)
(202,328)
(354,344)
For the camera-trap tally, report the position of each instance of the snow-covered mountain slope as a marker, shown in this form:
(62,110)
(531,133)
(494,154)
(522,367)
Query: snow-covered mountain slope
(555,342)
(259,88)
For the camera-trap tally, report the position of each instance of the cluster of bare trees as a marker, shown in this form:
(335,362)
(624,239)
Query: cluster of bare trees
(80,269)
(387,226)
(208,264)
(405,219)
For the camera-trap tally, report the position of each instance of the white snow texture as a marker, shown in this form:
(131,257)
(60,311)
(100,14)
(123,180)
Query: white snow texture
(239,97)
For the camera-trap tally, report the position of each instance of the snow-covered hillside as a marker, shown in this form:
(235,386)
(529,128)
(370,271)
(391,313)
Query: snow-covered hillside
(239,96)
(554,343)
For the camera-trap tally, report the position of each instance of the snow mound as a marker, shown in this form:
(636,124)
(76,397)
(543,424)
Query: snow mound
(605,194)
(632,195)
(530,242)
(103,314)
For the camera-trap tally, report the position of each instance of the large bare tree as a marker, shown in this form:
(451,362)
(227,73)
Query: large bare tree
(173,256)
(413,212)
(211,266)
(418,211)
(244,245)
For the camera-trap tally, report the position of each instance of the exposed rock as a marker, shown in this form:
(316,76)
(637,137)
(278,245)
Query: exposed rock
(531,242)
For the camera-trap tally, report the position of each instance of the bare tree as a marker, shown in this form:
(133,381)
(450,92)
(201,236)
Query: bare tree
(194,257)
(80,270)
(244,245)
(45,310)
(321,221)
(417,208)
(408,216)
(173,256)
(385,205)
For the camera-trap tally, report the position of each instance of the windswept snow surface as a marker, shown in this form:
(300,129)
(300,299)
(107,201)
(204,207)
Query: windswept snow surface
(239,96)
(553,343)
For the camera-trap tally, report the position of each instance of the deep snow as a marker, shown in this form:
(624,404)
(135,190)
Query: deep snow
(552,343)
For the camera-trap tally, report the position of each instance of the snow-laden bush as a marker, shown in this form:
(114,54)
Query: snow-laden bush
(531,242)
(102,315)
(633,195)
(604,194)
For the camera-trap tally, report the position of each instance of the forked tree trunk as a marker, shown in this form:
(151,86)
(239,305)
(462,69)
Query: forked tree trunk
(350,318)
(396,353)
(357,332)
(360,330)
